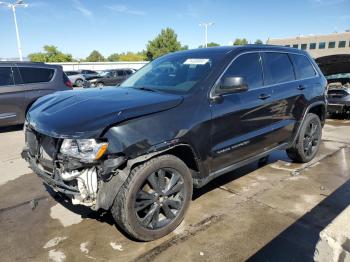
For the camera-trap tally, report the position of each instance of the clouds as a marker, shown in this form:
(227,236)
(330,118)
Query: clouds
(125,10)
(78,5)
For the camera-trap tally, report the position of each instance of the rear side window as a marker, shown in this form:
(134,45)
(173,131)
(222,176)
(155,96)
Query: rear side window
(249,67)
(277,68)
(303,66)
(35,75)
(6,76)
(120,73)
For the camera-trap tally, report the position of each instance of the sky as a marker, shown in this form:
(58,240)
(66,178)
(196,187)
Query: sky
(80,26)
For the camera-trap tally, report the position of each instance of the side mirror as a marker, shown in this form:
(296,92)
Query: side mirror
(232,84)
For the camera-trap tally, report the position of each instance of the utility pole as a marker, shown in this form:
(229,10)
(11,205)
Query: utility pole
(13,6)
(206,25)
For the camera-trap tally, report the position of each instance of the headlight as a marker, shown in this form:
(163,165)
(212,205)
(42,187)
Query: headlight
(86,150)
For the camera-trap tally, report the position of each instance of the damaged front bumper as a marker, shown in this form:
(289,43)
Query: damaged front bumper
(95,184)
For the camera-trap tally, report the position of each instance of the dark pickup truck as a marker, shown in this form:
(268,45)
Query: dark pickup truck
(179,122)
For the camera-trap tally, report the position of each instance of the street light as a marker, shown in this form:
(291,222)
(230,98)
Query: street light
(206,25)
(18,3)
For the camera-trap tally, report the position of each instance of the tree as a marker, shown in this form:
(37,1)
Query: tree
(50,54)
(95,56)
(239,41)
(164,43)
(258,42)
(211,44)
(113,57)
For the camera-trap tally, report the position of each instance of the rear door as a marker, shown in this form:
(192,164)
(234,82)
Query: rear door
(241,122)
(36,82)
(11,97)
(287,98)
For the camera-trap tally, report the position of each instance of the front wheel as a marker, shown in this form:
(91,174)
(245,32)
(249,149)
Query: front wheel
(308,140)
(154,198)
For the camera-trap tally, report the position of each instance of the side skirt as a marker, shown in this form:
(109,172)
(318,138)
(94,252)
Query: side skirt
(202,182)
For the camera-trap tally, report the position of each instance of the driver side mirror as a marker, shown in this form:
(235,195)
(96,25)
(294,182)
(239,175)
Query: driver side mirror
(232,84)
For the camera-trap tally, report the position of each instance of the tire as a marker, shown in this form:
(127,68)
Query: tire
(144,215)
(308,140)
(79,82)
(100,84)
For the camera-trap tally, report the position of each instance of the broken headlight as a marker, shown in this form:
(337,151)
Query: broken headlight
(86,150)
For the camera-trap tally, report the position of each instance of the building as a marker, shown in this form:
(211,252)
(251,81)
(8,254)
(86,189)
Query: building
(318,45)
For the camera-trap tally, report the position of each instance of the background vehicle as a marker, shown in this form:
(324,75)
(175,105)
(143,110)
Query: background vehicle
(22,83)
(77,79)
(110,77)
(338,93)
(88,73)
(177,123)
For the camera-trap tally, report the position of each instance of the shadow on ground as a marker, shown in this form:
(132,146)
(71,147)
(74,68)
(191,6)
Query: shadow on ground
(11,128)
(298,241)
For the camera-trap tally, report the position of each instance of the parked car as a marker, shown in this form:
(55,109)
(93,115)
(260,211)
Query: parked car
(77,79)
(88,73)
(110,77)
(339,95)
(22,83)
(177,123)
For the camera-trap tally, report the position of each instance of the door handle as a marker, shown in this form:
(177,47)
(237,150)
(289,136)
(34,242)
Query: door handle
(301,87)
(264,96)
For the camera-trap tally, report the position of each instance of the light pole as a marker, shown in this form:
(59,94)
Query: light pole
(206,25)
(18,3)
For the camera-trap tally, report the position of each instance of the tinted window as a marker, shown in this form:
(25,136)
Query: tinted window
(322,45)
(342,44)
(35,75)
(277,68)
(312,45)
(120,73)
(303,46)
(249,67)
(6,77)
(295,46)
(331,45)
(303,67)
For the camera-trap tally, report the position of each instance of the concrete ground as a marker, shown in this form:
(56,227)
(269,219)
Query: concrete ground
(272,213)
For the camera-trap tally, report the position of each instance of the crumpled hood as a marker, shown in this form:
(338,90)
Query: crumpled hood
(86,113)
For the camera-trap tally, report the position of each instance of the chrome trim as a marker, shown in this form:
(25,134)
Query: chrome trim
(7,115)
(211,96)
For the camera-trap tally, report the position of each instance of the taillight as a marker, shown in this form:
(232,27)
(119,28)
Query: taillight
(69,84)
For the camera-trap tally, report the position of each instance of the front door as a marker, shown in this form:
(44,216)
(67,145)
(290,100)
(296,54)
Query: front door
(241,122)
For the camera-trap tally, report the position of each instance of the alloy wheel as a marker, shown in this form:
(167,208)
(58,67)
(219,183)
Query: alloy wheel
(311,138)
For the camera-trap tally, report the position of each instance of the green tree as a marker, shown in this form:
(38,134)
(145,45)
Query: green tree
(113,57)
(211,44)
(131,56)
(50,54)
(239,41)
(95,56)
(164,43)
(258,42)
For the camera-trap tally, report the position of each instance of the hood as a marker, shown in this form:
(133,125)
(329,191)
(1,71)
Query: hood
(86,113)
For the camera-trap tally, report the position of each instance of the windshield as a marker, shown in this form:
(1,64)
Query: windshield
(174,74)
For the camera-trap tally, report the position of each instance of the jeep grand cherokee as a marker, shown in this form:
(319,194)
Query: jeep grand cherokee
(179,122)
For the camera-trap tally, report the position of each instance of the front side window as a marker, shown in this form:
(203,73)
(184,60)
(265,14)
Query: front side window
(35,75)
(277,68)
(312,45)
(342,44)
(303,66)
(6,76)
(249,67)
(322,45)
(120,73)
(175,73)
(331,45)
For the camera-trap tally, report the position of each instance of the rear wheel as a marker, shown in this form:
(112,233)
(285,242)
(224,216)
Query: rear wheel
(100,84)
(79,82)
(308,140)
(154,198)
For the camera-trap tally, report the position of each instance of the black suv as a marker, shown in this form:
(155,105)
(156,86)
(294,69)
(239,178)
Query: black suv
(110,77)
(179,122)
(21,83)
